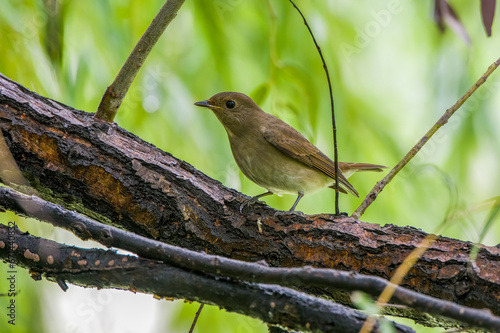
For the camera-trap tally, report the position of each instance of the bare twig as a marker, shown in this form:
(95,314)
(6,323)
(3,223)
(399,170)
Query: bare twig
(443,120)
(87,228)
(334,126)
(116,92)
(196,316)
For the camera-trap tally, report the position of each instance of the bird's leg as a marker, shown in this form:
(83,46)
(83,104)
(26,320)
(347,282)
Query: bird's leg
(254,199)
(301,194)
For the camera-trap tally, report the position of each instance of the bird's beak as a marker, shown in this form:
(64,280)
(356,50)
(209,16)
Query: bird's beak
(204,104)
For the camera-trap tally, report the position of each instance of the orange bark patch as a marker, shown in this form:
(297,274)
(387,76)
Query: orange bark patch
(103,185)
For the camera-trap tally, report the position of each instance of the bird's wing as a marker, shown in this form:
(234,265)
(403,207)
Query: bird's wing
(293,144)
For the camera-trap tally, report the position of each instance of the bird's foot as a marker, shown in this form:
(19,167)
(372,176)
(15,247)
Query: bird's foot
(249,202)
(289,212)
(245,203)
(253,200)
(341,214)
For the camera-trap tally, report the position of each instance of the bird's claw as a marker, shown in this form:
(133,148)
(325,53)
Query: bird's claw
(289,212)
(245,203)
(253,200)
(248,202)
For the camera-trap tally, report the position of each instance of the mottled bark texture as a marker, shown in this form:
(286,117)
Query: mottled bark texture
(106,269)
(205,264)
(111,175)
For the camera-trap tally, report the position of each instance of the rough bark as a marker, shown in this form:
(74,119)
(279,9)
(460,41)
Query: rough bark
(111,175)
(237,270)
(106,269)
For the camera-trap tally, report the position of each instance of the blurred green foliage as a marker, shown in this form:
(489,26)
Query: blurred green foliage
(393,75)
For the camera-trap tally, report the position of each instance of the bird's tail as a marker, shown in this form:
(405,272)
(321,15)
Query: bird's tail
(348,169)
(361,167)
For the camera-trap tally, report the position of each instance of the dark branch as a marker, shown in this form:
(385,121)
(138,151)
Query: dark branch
(116,178)
(107,269)
(307,277)
(191,329)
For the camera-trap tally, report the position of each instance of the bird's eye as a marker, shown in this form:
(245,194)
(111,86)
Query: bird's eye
(230,104)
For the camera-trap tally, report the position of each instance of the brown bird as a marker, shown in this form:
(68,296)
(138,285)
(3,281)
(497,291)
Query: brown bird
(273,154)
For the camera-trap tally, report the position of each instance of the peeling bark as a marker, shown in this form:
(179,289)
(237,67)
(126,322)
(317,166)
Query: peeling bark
(111,175)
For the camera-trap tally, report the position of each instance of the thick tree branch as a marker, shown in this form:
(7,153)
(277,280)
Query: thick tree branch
(86,228)
(116,178)
(107,269)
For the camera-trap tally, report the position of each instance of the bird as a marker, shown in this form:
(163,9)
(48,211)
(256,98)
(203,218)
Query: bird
(273,154)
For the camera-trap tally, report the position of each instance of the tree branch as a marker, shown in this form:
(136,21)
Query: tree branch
(309,277)
(370,197)
(116,178)
(107,269)
(115,93)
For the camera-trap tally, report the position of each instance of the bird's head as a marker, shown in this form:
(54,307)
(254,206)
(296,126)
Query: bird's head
(234,110)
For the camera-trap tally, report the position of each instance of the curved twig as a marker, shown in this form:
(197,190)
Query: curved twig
(334,126)
(370,197)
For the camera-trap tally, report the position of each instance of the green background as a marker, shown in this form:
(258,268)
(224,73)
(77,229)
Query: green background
(394,74)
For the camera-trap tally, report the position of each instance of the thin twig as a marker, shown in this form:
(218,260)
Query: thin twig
(494,211)
(443,120)
(334,126)
(196,317)
(87,228)
(116,92)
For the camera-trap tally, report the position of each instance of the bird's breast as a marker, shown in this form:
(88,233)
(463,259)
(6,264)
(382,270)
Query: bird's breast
(268,167)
